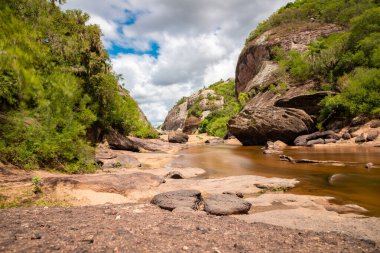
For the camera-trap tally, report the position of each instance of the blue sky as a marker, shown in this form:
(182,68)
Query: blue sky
(167,49)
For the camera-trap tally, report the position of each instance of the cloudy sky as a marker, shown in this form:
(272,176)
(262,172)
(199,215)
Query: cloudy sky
(167,49)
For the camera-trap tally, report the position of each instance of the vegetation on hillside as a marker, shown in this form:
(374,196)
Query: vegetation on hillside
(56,85)
(347,62)
(215,124)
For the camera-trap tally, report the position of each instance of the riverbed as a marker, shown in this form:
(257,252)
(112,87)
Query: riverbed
(350,183)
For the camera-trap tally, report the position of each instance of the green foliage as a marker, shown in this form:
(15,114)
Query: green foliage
(330,11)
(55,85)
(243,98)
(360,94)
(215,124)
(181,101)
(36,182)
(297,66)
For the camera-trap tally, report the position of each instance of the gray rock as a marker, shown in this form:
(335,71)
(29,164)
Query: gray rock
(346,136)
(178,137)
(359,120)
(175,199)
(174,175)
(304,139)
(353,129)
(119,142)
(314,142)
(327,141)
(375,124)
(226,204)
(372,135)
(360,139)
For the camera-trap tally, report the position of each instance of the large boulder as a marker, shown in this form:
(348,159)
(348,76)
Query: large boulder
(226,204)
(178,199)
(177,137)
(120,142)
(255,126)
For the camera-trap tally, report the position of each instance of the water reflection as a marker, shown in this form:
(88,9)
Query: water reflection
(351,183)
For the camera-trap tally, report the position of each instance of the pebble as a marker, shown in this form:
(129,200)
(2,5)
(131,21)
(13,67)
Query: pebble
(369,165)
(185,248)
(36,236)
(118,217)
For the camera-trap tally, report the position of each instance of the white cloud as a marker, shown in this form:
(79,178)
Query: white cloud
(199,43)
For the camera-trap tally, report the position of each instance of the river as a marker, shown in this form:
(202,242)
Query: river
(349,184)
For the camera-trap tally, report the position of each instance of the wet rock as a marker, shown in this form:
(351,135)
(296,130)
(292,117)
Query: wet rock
(216,140)
(178,137)
(375,124)
(327,141)
(238,194)
(369,165)
(372,135)
(360,139)
(291,160)
(174,175)
(226,204)
(175,199)
(314,142)
(304,139)
(120,142)
(346,136)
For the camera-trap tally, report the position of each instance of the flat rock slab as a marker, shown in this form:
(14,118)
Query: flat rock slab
(226,204)
(112,183)
(178,199)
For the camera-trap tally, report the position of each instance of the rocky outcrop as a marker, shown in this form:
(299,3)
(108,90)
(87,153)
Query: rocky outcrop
(255,126)
(120,142)
(279,110)
(188,115)
(315,138)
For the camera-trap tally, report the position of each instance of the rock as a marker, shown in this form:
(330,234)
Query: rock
(155,144)
(372,135)
(369,165)
(176,117)
(215,140)
(360,139)
(359,120)
(314,142)
(375,124)
(307,102)
(377,145)
(272,152)
(346,136)
(327,141)
(255,126)
(303,139)
(291,160)
(225,204)
(353,129)
(177,137)
(238,194)
(120,161)
(174,175)
(110,211)
(119,142)
(175,199)
(36,236)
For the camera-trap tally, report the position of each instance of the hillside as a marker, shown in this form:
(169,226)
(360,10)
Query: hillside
(312,65)
(206,111)
(57,88)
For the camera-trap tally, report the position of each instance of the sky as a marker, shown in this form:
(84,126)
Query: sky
(167,49)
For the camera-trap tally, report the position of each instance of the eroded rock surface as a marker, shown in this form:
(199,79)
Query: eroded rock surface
(226,204)
(178,199)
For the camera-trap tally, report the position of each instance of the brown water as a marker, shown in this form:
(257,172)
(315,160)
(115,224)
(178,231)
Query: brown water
(352,184)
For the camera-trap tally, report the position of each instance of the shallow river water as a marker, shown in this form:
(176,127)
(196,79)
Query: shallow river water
(349,184)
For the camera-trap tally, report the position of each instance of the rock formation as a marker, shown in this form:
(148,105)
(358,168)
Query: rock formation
(276,112)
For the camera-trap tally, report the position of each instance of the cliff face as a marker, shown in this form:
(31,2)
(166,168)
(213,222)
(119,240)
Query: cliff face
(279,108)
(187,116)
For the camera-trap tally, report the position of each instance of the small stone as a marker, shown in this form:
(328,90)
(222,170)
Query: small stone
(174,175)
(369,165)
(185,248)
(238,247)
(216,250)
(36,236)
(118,217)
(372,135)
(239,194)
(203,230)
(110,211)
(89,239)
(346,136)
